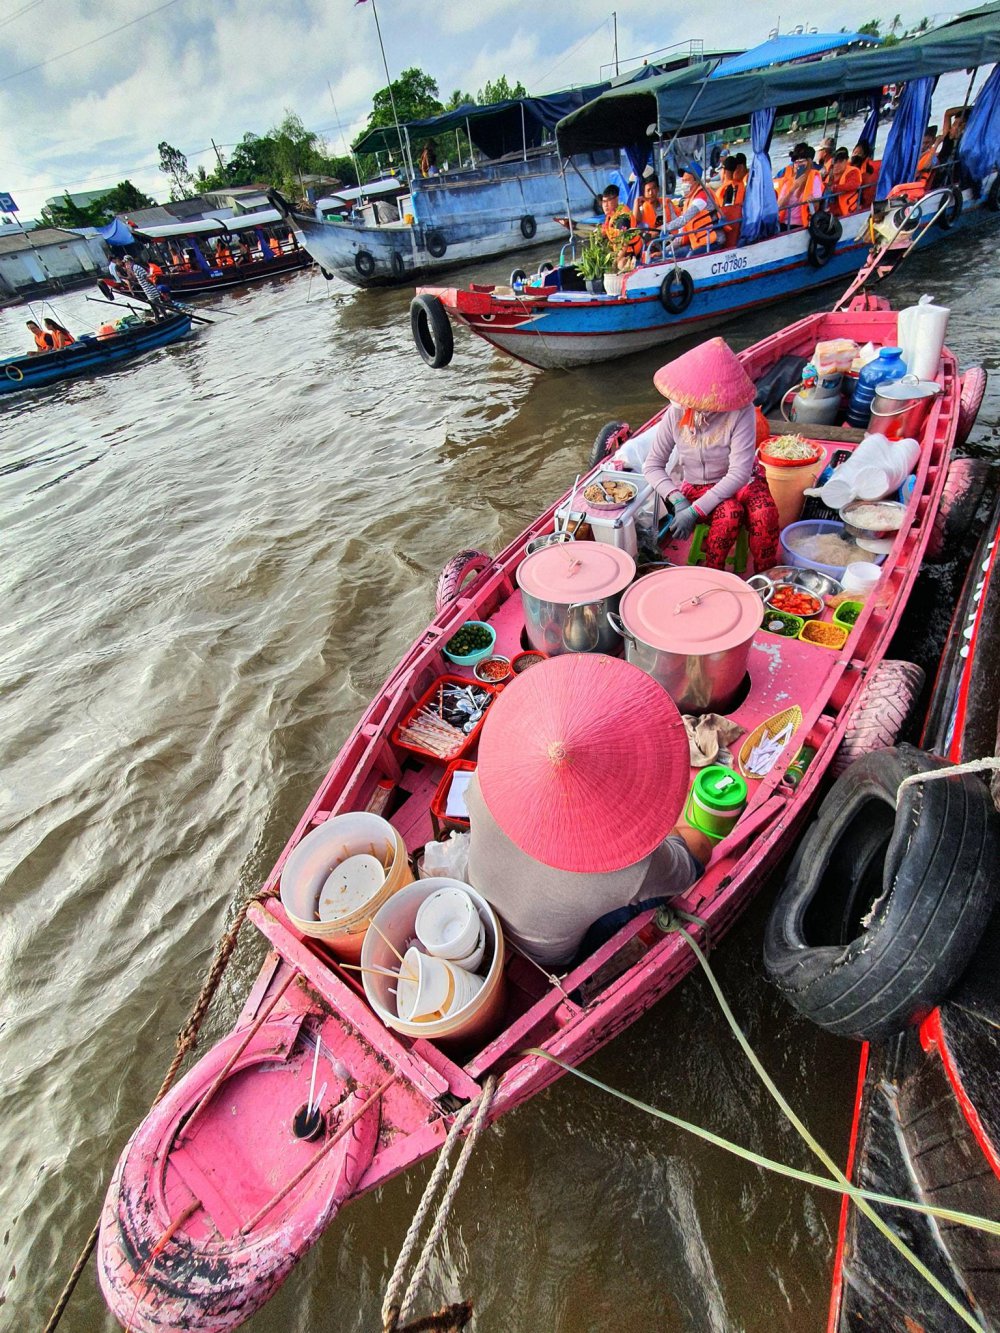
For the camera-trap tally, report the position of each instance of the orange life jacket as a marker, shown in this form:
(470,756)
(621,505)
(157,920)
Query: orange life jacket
(697,232)
(61,339)
(644,215)
(800,189)
(869,177)
(43,341)
(846,189)
(154,270)
(732,211)
(615,228)
(926,164)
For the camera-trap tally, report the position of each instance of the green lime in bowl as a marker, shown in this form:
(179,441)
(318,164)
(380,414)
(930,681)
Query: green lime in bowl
(474,641)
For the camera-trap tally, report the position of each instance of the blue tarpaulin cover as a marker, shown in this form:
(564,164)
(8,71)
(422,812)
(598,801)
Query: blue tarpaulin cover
(980,150)
(116,233)
(760,203)
(794,46)
(902,148)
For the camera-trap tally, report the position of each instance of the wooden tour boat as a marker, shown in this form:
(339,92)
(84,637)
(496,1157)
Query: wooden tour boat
(215,1197)
(550,320)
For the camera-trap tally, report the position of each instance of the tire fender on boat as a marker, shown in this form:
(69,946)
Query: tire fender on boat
(326,273)
(106,290)
(884,906)
(364,262)
(973,390)
(398,265)
(431,329)
(676,291)
(609,437)
(884,703)
(964,485)
(528,226)
(953,212)
(517,276)
(454,574)
(436,244)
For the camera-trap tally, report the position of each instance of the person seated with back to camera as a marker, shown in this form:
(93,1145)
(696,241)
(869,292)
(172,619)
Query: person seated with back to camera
(574,808)
(703,458)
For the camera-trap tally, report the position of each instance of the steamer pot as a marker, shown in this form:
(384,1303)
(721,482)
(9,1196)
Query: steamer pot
(567,592)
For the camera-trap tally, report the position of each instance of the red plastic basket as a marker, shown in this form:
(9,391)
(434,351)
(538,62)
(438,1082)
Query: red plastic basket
(439,804)
(428,698)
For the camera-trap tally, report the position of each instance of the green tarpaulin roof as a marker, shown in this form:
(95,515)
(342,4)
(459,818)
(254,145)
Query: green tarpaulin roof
(689,101)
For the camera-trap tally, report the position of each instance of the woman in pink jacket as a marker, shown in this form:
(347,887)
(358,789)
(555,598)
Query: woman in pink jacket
(703,459)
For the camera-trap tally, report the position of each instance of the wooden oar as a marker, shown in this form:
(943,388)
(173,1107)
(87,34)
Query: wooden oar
(172,309)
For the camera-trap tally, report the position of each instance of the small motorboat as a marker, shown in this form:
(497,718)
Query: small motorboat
(215,1197)
(132,336)
(925,1126)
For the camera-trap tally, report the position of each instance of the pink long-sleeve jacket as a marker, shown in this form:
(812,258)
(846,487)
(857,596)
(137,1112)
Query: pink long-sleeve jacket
(717,452)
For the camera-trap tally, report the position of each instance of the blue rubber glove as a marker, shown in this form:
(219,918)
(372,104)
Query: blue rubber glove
(685,519)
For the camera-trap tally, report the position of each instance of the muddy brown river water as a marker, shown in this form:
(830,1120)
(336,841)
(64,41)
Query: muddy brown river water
(209,561)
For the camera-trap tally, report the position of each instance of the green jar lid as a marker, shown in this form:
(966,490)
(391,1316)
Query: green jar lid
(719,788)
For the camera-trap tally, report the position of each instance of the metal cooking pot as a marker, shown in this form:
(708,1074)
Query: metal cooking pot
(691,628)
(567,592)
(900,407)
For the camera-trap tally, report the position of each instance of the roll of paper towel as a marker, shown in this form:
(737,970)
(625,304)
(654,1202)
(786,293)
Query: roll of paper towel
(921,331)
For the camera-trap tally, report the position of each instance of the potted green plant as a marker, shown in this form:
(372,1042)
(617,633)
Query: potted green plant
(595,260)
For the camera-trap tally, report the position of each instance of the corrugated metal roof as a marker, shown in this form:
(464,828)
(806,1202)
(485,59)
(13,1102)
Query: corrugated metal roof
(37,239)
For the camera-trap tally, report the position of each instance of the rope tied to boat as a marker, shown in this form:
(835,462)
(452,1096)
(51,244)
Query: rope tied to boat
(990,762)
(397,1298)
(186,1040)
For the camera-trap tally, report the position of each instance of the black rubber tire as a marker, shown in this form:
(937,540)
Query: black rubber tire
(544,268)
(819,253)
(825,228)
(398,265)
(364,262)
(517,276)
(599,449)
(432,332)
(953,212)
(676,291)
(528,227)
(326,273)
(436,244)
(106,290)
(993,198)
(882,908)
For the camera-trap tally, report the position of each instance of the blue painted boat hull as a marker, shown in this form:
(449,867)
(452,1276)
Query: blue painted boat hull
(90,355)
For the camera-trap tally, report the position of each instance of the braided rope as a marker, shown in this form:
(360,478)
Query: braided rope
(186,1039)
(972,766)
(397,1299)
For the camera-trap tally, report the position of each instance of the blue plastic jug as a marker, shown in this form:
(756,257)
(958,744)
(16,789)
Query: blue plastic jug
(887,366)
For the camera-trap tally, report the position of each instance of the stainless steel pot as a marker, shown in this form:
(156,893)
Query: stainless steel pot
(580,627)
(703,646)
(900,408)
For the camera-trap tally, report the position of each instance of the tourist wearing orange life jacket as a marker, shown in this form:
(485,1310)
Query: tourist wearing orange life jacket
(928,154)
(799,188)
(694,224)
(626,245)
(730,194)
(843,185)
(44,342)
(154,270)
(60,337)
(861,157)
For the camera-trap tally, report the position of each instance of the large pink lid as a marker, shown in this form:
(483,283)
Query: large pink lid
(661,610)
(576,572)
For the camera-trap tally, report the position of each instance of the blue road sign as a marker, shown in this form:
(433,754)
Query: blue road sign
(7,204)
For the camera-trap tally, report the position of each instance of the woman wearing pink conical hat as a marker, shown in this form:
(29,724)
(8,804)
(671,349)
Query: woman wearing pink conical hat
(703,459)
(583,771)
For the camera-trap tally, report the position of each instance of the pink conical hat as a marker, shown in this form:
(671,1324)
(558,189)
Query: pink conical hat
(708,378)
(584,763)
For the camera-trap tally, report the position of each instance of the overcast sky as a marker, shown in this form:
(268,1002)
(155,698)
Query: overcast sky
(83,106)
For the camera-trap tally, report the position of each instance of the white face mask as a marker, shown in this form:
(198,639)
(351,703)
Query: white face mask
(686,188)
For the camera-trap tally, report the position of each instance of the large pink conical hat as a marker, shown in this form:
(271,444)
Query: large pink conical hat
(708,378)
(584,763)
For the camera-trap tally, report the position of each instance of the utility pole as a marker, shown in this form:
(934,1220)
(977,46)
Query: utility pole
(614,20)
(222,165)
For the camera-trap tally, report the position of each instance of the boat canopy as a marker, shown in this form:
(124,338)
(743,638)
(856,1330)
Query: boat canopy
(116,232)
(211,226)
(388,185)
(496,129)
(781,49)
(692,101)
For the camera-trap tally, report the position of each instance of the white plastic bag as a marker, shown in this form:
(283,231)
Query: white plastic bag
(448,859)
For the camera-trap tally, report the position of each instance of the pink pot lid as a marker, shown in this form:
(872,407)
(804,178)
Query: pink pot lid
(576,572)
(659,611)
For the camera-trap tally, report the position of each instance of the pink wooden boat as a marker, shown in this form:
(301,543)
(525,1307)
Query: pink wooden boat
(215,1198)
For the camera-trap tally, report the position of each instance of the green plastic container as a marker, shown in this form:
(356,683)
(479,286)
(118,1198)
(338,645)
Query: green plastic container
(717,798)
(847,613)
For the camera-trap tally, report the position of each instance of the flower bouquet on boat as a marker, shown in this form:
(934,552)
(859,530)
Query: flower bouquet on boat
(672,671)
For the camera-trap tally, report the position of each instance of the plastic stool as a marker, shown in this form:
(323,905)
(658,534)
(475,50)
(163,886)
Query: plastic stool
(737,558)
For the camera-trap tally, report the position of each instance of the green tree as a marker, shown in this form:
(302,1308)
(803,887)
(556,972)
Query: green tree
(174,165)
(124,198)
(457,99)
(415,95)
(923,25)
(500,91)
(871,28)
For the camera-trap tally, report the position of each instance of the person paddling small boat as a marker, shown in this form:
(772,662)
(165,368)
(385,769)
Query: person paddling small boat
(583,772)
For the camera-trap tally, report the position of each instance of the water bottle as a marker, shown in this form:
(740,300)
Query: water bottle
(888,365)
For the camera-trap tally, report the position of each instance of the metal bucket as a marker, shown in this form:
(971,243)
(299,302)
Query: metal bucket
(901,407)
(556,538)
(578,627)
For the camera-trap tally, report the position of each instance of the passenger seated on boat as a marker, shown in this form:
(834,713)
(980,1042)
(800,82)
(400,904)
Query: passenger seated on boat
(617,227)
(928,154)
(843,185)
(731,193)
(60,337)
(583,769)
(647,215)
(703,458)
(861,157)
(824,154)
(799,188)
(693,227)
(741,171)
(44,342)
